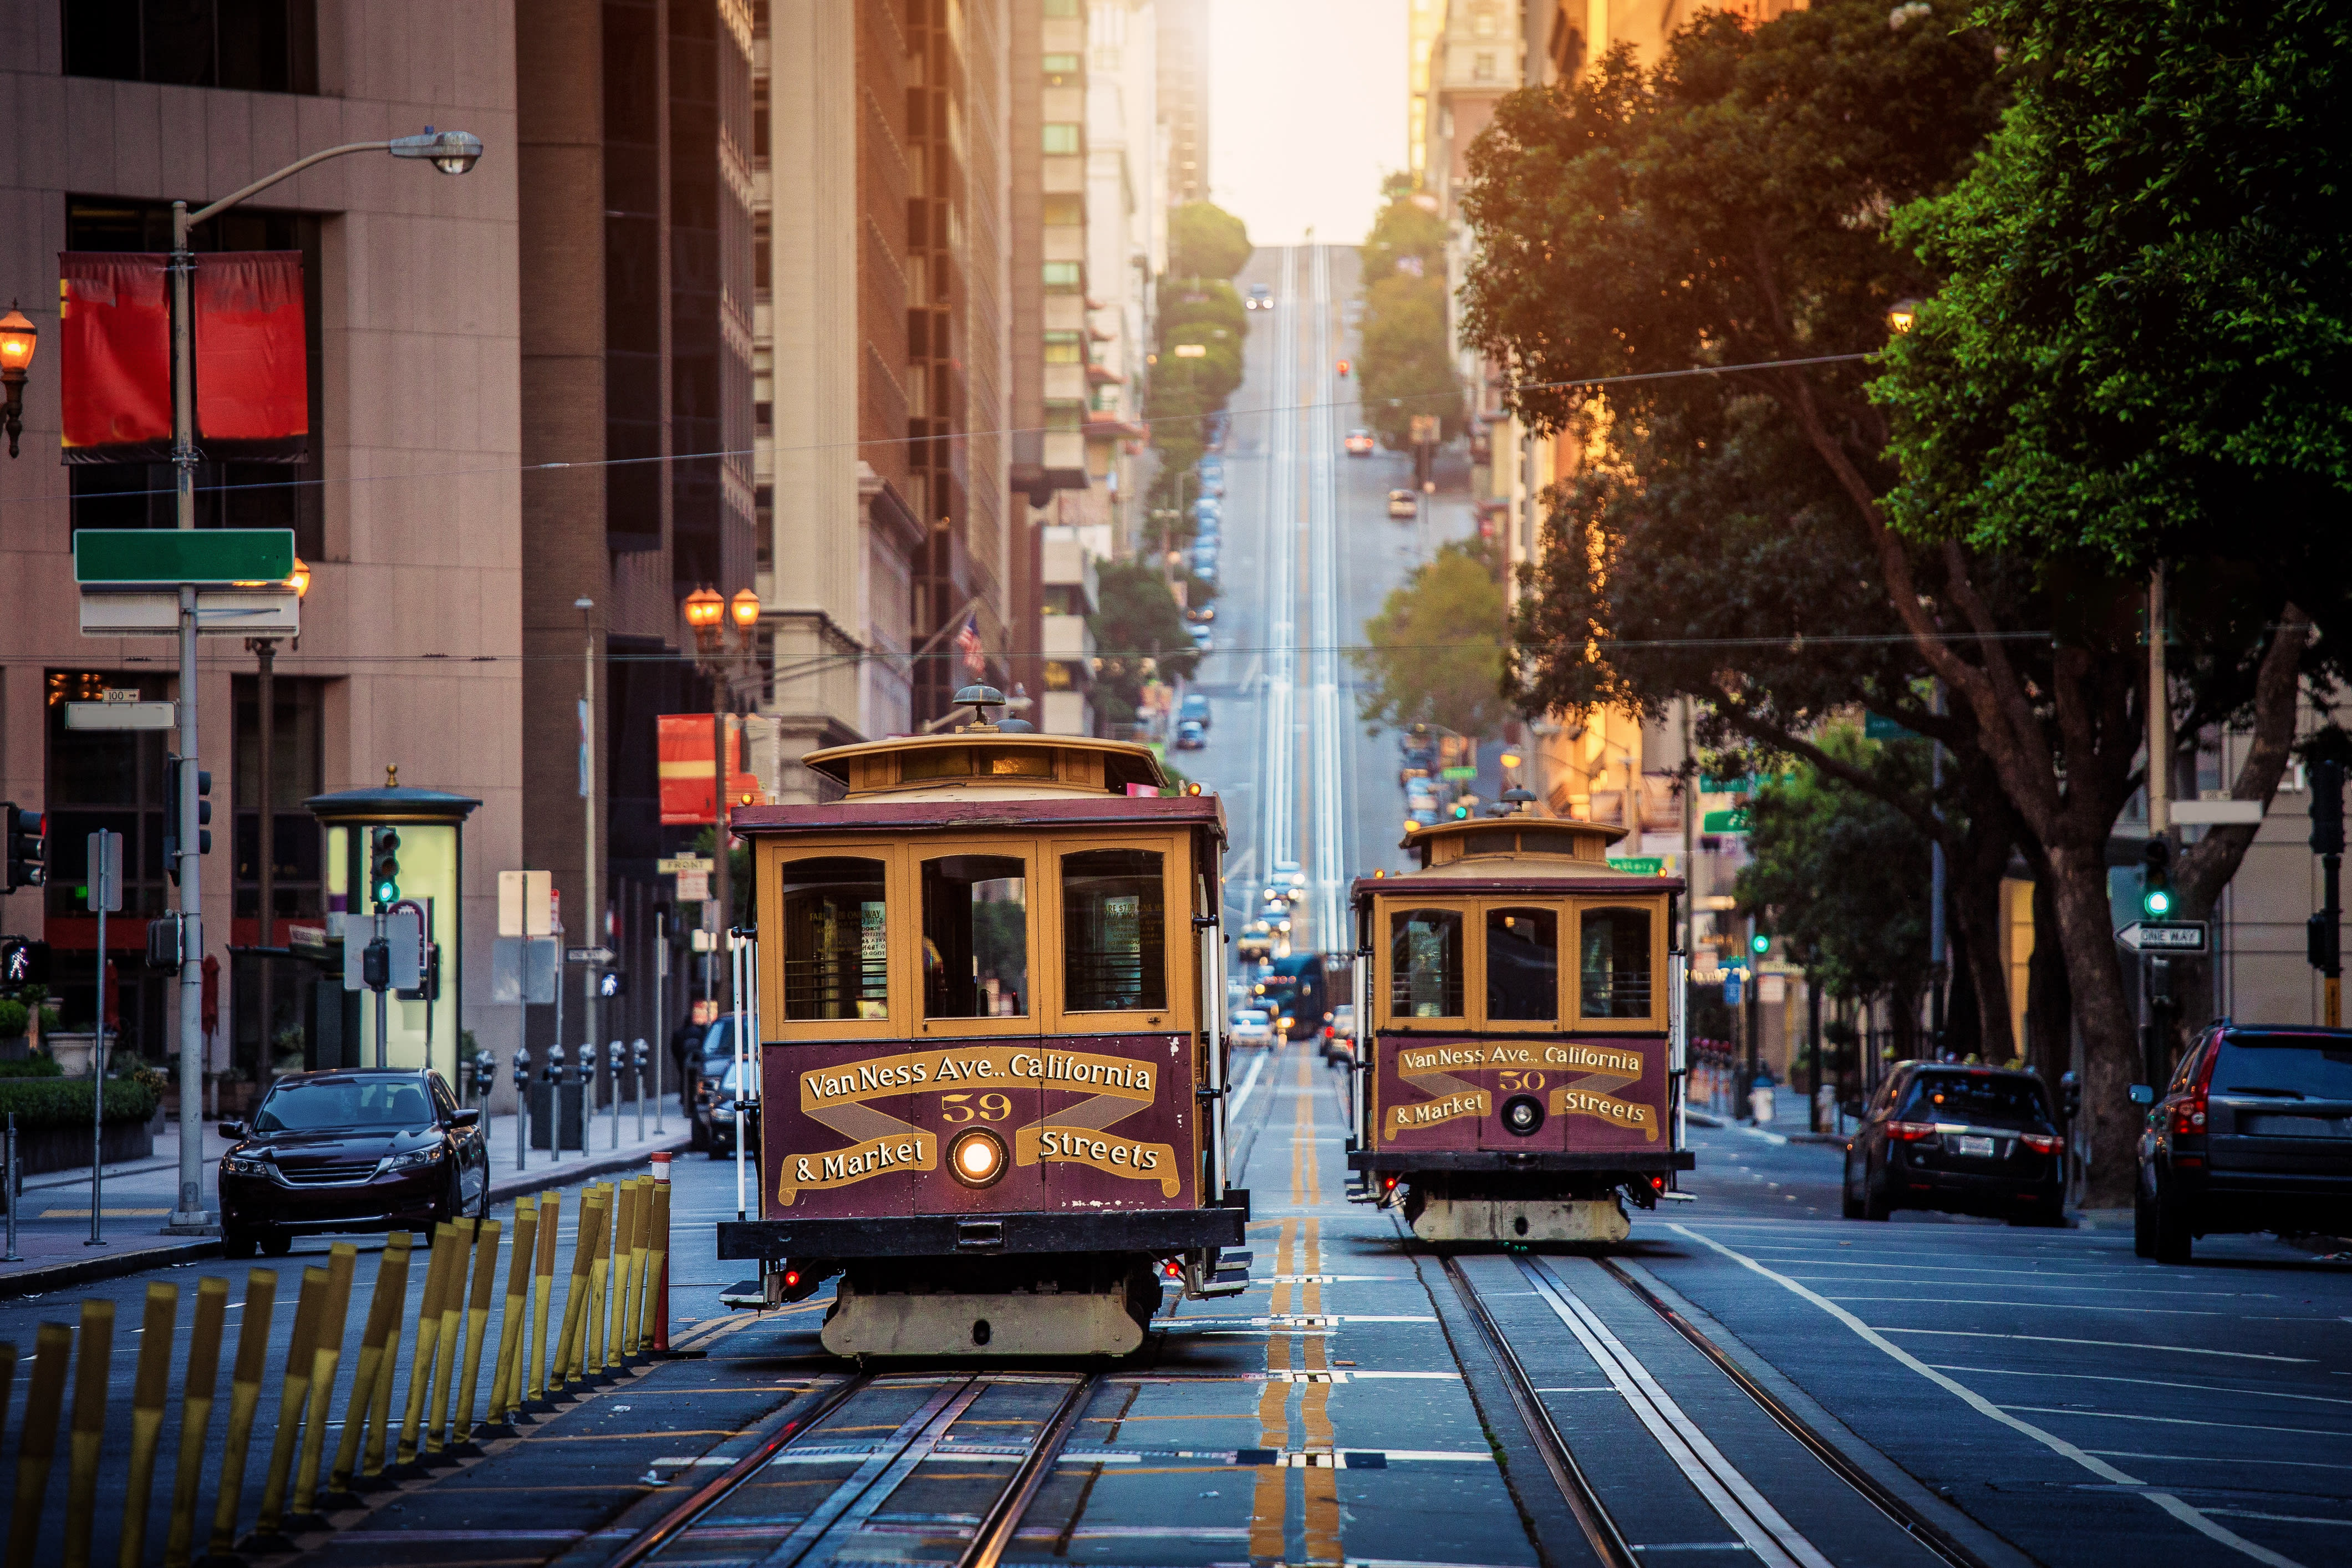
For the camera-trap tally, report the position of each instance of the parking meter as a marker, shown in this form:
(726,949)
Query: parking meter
(486,1076)
(523,1106)
(552,1076)
(2070,1097)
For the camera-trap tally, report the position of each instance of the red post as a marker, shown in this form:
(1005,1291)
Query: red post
(661,1245)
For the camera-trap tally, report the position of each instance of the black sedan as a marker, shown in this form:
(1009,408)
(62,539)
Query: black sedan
(1965,1139)
(720,1137)
(2253,1131)
(710,1061)
(351,1151)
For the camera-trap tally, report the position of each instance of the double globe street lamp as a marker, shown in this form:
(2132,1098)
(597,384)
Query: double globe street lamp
(709,615)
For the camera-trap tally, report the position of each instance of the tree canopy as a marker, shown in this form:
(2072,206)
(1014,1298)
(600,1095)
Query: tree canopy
(1204,240)
(1434,654)
(1139,630)
(1404,365)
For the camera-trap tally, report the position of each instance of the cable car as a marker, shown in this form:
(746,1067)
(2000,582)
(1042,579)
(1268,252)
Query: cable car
(1520,1065)
(989,996)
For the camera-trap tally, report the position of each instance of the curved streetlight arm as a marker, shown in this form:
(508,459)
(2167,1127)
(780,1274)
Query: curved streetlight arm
(288,173)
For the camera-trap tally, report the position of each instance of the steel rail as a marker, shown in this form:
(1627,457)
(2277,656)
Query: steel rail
(1592,1516)
(998,1525)
(795,1426)
(1925,1531)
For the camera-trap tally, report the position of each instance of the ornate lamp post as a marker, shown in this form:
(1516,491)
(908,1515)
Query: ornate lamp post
(709,614)
(18,338)
(265,683)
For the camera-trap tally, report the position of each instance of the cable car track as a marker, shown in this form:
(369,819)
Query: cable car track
(1769,1537)
(880,1466)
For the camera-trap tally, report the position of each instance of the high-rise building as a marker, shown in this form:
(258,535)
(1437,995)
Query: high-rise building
(1183,95)
(1423,22)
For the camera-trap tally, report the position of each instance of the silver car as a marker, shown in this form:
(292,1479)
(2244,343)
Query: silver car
(1251,1026)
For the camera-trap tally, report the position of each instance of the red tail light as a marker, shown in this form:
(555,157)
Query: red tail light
(2188,1111)
(1910,1131)
(2042,1142)
(792,1279)
(1174,1269)
(1388,1183)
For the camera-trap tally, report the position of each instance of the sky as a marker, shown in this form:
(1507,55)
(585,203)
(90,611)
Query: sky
(1307,111)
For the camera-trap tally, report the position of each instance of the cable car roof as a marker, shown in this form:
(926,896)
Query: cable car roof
(1502,853)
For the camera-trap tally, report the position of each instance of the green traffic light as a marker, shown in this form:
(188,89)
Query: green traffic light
(387,892)
(1759,943)
(2156,901)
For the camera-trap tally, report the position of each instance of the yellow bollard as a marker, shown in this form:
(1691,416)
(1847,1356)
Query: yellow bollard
(616,1335)
(378,1413)
(428,1338)
(292,1394)
(383,1309)
(640,1250)
(88,1428)
(657,1270)
(575,1299)
(196,1418)
(600,1294)
(149,1395)
(7,1376)
(504,1397)
(36,1442)
(540,1354)
(477,1322)
(445,1355)
(244,1397)
(326,1361)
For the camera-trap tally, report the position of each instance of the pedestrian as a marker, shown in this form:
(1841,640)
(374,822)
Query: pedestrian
(686,1051)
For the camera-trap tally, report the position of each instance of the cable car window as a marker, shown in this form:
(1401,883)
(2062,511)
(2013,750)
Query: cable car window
(836,940)
(1425,964)
(1522,964)
(1114,931)
(976,937)
(948,762)
(1616,963)
(1489,841)
(1022,764)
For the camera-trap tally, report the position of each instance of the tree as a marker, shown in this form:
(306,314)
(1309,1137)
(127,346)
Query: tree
(1139,630)
(1186,389)
(1405,365)
(1407,234)
(1204,240)
(1434,653)
(1730,207)
(1858,936)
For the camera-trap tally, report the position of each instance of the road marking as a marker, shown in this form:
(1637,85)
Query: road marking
(1767,1137)
(2174,1420)
(1731,1494)
(83,1212)
(2056,1339)
(2241,1390)
(2193,1518)
(1257,1066)
(2057,1306)
(2223,1458)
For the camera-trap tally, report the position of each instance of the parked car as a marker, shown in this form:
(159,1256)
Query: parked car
(1260,298)
(1190,735)
(360,1151)
(1403,504)
(1339,1035)
(1212,485)
(720,1138)
(1251,1026)
(1360,443)
(2248,1135)
(1194,706)
(714,1056)
(1200,614)
(1207,573)
(1965,1139)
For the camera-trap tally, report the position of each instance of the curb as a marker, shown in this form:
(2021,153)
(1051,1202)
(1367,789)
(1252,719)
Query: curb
(114,1266)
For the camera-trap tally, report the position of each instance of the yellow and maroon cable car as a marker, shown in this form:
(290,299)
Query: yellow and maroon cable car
(1524,1019)
(993,1075)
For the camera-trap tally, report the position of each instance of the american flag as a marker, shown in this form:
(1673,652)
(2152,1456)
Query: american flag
(968,640)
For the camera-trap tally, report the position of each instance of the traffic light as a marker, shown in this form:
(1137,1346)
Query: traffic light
(2326,807)
(1761,943)
(28,850)
(384,865)
(2156,879)
(174,772)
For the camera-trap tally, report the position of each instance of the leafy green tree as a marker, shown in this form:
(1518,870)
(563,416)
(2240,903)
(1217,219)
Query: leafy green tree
(1730,207)
(1204,240)
(1407,232)
(1404,366)
(1139,630)
(1859,937)
(1435,652)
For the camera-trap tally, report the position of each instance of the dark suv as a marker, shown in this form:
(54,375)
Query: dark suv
(2253,1131)
(353,1150)
(1965,1139)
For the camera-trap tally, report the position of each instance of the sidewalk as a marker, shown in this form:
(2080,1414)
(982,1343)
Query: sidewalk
(137,1197)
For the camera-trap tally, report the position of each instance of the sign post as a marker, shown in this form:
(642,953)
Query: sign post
(103,897)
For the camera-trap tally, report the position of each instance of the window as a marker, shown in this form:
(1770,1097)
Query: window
(1061,136)
(1064,276)
(1063,212)
(1061,64)
(297,748)
(1065,348)
(249,46)
(1615,968)
(837,952)
(1977,1100)
(1482,67)
(1114,931)
(1425,964)
(976,937)
(1522,964)
(759,117)
(327,1105)
(1061,7)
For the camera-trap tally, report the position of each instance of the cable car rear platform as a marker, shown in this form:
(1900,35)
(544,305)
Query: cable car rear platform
(1155,1231)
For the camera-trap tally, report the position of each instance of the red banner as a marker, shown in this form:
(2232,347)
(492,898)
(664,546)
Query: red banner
(685,766)
(115,361)
(252,369)
(253,383)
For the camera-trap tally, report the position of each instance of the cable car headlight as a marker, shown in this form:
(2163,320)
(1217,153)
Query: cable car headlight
(976,1157)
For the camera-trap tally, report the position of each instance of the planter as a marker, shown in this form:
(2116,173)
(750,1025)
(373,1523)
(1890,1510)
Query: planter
(72,1053)
(68,1148)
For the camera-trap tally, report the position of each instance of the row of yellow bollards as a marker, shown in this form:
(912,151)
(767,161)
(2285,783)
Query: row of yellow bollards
(608,1322)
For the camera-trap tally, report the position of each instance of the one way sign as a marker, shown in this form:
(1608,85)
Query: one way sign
(2163,936)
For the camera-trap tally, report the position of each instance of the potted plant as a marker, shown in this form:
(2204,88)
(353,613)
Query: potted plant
(14,1019)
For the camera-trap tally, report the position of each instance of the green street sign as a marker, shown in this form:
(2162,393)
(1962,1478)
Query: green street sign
(1639,865)
(127,557)
(1732,821)
(1462,773)
(1746,784)
(1875,728)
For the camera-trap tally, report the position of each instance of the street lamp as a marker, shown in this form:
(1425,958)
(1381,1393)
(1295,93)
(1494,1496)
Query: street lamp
(18,338)
(452,152)
(1901,315)
(707,614)
(265,673)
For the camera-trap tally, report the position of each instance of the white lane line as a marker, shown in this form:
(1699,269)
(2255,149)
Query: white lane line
(1249,1082)
(2192,1517)
(2279,1518)
(2057,1340)
(2066,1306)
(2173,1420)
(2241,1390)
(1767,1137)
(1753,1519)
(2218,1458)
